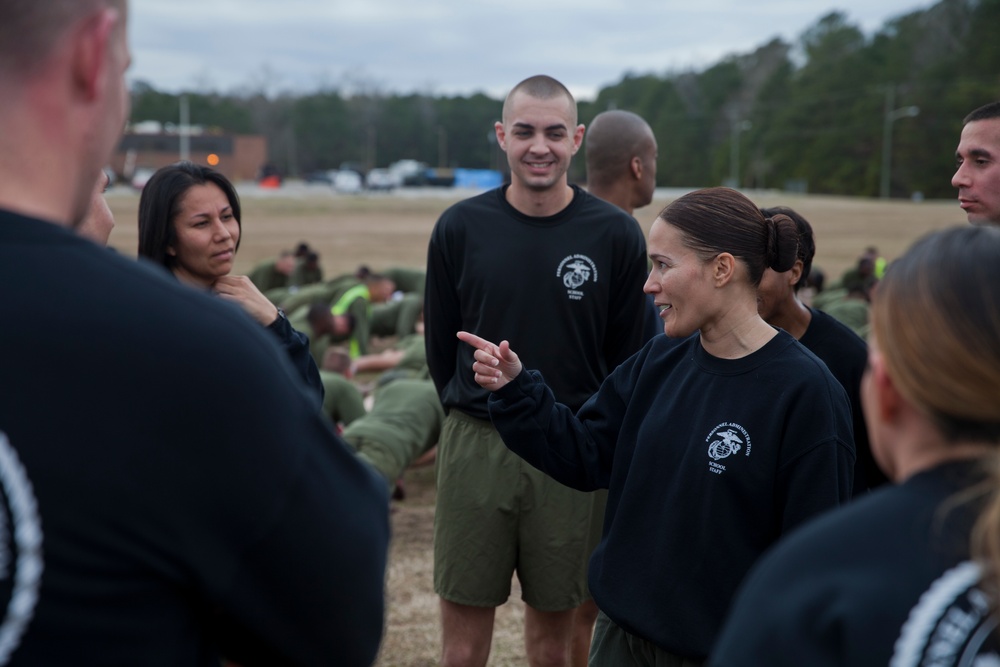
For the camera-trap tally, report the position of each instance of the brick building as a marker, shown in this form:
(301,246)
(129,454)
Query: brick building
(238,157)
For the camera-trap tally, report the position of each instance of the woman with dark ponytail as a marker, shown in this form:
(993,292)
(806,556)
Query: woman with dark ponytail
(909,575)
(713,441)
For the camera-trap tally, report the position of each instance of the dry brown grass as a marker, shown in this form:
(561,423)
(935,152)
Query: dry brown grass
(393,230)
(384,230)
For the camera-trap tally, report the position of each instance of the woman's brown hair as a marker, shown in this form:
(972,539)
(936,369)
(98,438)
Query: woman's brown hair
(936,320)
(717,220)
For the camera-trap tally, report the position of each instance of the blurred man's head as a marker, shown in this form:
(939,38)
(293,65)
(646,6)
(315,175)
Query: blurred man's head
(380,288)
(338,360)
(285,263)
(323,322)
(62,82)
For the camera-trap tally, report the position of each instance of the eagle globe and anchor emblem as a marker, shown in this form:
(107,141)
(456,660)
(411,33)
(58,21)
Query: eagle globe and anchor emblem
(577,275)
(574,272)
(728,444)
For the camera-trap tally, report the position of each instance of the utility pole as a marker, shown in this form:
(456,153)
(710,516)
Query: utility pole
(442,147)
(185,128)
(891,116)
(738,127)
(370,162)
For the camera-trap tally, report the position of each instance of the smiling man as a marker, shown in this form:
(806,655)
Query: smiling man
(978,174)
(561,270)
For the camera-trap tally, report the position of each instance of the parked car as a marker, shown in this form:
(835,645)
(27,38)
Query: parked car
(382,179)
(409,172)
(326,176)
(348,181)
(268,176)
(140,176)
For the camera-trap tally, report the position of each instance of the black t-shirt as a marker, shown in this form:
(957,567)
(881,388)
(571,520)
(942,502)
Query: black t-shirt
(170,491)
(565,290)
(884,581)
(846,355)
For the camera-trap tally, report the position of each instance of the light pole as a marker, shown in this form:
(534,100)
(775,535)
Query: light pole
(737,127)
(185,129)
(442,147)
(891,116)
(370,162)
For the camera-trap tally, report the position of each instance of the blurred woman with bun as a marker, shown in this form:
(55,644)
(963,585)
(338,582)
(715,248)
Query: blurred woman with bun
(908,575)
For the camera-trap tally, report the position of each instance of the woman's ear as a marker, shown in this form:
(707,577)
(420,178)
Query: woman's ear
(723,268)
(795,273)
(888,400)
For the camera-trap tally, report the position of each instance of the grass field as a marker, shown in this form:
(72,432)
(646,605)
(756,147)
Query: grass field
(392,230)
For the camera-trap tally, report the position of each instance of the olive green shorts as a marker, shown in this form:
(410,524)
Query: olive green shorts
(614,646)
(496,515)
(596,529)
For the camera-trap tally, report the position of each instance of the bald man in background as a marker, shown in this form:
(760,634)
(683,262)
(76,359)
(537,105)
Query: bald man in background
(621,154)
(621,159)
(620,151)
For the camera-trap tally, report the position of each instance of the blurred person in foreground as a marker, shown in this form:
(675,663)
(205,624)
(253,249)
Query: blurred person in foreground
(169,496)
(889,580)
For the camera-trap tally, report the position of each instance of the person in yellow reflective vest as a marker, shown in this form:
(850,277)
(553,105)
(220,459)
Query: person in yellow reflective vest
(357,300)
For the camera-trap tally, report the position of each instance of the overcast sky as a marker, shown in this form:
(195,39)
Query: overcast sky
(445,47)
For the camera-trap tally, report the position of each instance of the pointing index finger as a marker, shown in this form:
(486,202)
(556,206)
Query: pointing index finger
(475,341)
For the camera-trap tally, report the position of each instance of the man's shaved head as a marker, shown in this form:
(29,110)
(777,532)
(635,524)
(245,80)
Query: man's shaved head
(541,87)
(613,139)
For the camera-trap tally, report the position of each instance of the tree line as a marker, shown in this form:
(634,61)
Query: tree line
(810,115)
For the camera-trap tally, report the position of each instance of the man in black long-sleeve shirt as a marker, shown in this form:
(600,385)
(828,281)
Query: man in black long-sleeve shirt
(543,262)
(170,493)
